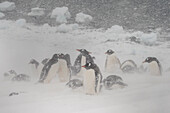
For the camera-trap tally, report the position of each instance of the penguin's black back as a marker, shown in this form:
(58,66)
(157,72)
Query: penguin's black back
(47,67)
(77,63)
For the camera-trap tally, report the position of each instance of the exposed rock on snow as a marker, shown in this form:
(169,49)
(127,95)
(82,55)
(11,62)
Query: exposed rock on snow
(146,38)
(1,15)
(7,6)
(66,28)
(36,12)
(61,14)
(83,18)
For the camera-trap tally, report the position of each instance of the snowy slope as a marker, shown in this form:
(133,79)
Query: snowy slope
(19,44)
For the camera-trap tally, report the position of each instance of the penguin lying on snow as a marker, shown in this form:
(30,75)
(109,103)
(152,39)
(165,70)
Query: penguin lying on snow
(112,63)
(154,66)
(92,79)
(83,58)
(128,66)
(19,77)
(9,75)
(64,65)
(112,81)
(75,83)
(50,69)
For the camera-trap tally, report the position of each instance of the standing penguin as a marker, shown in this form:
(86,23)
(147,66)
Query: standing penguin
(154,66)
(64,64)
(83,58)
(112,63)
(49,70)
(128,66)
(92,79)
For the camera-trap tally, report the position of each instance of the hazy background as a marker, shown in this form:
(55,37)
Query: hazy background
(131,14)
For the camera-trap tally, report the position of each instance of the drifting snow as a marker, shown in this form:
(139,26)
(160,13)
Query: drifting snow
(7,6)
(115,29)
(61,14)
(36,12)
(21,22)
(1,15)
(83,18)
(144,93)
(67,27)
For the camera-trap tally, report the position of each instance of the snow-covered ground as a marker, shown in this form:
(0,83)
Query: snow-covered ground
(20,43)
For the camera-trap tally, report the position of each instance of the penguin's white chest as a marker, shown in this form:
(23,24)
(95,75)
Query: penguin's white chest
(35,71)
(83,60)
(112,64)
(52,73)
(89,82)
(63,71)
(153,68)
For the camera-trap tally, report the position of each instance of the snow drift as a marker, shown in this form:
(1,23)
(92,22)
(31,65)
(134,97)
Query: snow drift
(7,6)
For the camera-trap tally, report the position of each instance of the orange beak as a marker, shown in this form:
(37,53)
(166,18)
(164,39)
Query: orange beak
(78,49)
(90,52)
(82,66)
(105,52)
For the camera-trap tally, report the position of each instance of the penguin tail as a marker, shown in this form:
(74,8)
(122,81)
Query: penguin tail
(122,84)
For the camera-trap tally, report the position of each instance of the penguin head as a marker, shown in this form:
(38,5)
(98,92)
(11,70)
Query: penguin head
(84,51)
(150,59)
(12,72)
(109,52)
(33,61)
(61,56)
(55,56)
(89,65)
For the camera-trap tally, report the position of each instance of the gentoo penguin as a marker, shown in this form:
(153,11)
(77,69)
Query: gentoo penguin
(112,63)
(83,58)
(75,83)
(35,67)
(44,61)
(128,66)
(49,70)
(154,66)
(9,75)
(19,77)
(92,79)
(64,64)
(113,81)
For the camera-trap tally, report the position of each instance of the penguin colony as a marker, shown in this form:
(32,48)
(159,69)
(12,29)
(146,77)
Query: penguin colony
(85,72)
